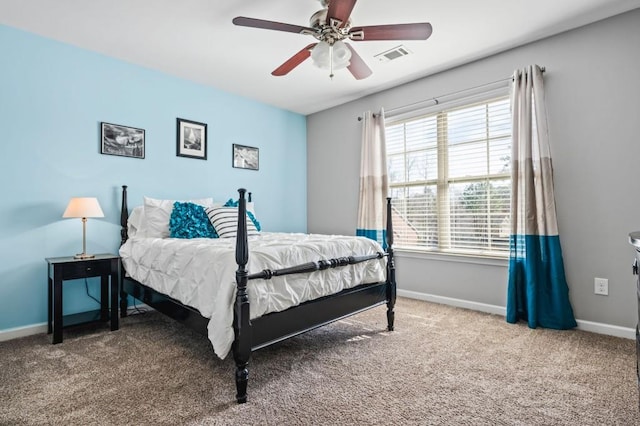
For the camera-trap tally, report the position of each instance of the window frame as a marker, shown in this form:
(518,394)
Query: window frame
(442,181)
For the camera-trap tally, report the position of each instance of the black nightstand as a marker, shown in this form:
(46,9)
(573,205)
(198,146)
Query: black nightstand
(106,266)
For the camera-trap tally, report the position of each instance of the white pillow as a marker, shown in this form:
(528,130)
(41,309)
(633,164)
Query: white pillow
(225,222)
(135,224)
(158,212)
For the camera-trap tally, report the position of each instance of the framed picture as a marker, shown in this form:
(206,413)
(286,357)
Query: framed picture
(191,139)
(121,140)
(245,157)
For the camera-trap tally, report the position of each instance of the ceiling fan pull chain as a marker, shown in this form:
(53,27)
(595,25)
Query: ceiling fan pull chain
(331,61)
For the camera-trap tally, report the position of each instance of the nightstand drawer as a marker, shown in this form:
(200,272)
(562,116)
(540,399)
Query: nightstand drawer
(86,269)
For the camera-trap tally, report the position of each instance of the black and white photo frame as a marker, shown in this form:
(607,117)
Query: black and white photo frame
(120,140)
(191,139)
(246,157)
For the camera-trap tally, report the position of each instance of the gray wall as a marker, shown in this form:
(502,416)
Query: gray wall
(593,100)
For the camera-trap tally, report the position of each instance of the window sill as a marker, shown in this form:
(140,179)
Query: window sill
(451,257)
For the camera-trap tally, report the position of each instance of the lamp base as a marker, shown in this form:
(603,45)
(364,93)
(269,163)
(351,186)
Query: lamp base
(84,256)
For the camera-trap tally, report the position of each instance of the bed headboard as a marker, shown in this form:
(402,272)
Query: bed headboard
(124,215)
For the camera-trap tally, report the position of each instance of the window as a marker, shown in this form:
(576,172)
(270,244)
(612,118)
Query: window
(449,177)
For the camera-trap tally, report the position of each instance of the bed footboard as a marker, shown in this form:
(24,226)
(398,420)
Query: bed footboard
(273,327)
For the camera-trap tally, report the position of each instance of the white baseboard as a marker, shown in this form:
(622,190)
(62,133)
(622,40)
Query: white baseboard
(611,330)
(29,330)
(14,333)
(459,303)
(594,327)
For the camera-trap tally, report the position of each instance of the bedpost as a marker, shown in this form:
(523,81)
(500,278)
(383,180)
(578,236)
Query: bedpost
(391,269)
(241,323)
(124,235)
(124,216)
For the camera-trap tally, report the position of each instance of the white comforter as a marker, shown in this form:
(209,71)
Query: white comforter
(201,273)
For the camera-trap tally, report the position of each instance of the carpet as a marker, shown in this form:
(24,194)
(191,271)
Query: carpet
(442,366)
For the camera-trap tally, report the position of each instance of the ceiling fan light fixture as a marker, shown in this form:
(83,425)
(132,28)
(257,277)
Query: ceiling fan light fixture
(334,57)
(341,54)
(320,55)
(330,26)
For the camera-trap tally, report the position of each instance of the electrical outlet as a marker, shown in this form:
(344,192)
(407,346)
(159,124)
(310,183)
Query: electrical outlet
(601,286)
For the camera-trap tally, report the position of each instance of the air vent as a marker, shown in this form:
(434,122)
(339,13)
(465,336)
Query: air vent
(392,54)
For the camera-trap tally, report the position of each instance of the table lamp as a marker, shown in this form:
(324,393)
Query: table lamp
(83,207)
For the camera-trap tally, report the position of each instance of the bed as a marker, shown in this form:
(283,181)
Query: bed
(245,311)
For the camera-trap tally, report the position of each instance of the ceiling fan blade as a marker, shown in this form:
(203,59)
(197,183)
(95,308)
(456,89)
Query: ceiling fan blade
(357,66)
(340,10)
(271,25)
(419,31)
(294,61)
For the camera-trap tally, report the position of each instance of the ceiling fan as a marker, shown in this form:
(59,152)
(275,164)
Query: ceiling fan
(330,26)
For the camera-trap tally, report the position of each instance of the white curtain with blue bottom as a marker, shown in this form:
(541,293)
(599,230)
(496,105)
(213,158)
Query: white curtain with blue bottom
(374,183)
(537,290)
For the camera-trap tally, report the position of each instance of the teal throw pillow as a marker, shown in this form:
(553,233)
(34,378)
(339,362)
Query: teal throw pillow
(189,220)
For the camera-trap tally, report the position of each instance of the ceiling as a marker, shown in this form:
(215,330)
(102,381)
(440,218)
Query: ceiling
(195,39)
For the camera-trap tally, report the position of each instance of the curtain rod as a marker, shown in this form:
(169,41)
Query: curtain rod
(436,101)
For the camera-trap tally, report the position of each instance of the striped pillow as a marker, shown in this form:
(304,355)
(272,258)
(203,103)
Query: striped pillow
(225,222)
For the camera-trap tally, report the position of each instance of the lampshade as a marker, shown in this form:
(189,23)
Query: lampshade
(83,207)
(331,57)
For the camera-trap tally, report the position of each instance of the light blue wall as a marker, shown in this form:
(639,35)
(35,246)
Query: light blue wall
(52,99)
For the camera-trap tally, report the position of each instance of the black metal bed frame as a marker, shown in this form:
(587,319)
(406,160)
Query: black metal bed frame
(251,335)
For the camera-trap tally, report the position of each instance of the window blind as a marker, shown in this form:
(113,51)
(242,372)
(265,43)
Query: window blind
(449,177)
